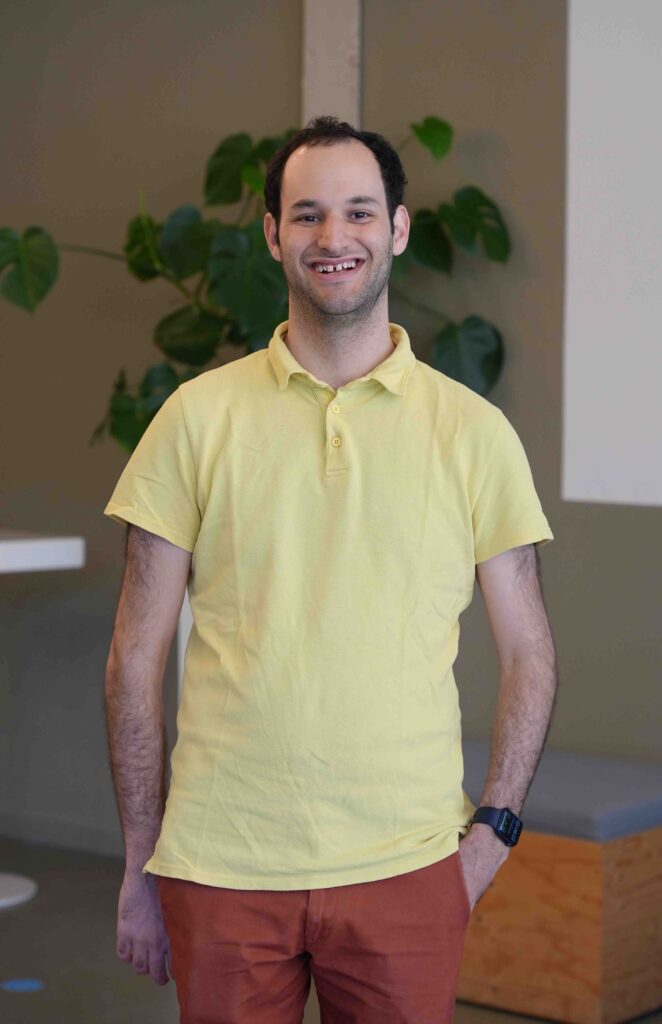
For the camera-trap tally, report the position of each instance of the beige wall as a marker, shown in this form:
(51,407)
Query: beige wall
(100,101)
(105,102)
(496,71)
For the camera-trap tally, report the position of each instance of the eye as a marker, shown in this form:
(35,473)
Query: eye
(307,216)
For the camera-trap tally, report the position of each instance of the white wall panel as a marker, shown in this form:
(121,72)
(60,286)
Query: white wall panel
(612,444)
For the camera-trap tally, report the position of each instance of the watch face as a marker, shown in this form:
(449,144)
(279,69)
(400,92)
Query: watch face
(509,827)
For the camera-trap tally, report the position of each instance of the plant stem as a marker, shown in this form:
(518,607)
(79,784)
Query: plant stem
(116,256)
(246,203)
(91,252)
(437,314)
(182,289)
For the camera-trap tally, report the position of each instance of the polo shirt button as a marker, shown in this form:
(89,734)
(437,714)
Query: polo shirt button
(335,441)
(335,407)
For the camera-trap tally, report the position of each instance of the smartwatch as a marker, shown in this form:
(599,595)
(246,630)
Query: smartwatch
(507,825)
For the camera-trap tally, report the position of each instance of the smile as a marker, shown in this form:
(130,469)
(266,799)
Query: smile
(342,270)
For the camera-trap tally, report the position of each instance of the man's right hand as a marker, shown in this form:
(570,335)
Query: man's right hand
(141,935)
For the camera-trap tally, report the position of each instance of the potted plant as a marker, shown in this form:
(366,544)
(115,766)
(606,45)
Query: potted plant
(232,289)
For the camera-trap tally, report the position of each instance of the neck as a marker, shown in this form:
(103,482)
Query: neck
(336,352)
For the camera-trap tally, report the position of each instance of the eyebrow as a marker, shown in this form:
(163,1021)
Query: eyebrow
(302,204)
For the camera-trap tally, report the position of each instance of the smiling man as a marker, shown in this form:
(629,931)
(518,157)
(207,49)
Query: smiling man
(330,501)
(336,243)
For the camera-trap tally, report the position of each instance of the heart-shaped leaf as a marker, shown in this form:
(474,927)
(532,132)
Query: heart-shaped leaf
(401,265)
(470,352)
(9,243)
(158,383)
(245,279)
(436,135)
(141,247)
(254,178)
(185,241)
(32,261)
(266,148)
(125,421)
(474,214)
(428,242)
(189,335)
(223,181)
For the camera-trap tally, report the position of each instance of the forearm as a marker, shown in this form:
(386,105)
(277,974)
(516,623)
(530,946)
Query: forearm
(527,695)
(137,741)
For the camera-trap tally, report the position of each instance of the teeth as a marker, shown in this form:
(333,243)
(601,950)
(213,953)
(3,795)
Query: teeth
(324,269)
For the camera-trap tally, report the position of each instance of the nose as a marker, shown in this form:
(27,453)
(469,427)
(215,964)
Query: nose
(332,234)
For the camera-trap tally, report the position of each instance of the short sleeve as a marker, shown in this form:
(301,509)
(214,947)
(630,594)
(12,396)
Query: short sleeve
(158,487)
(506,510)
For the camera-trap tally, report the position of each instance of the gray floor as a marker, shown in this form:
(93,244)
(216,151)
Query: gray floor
(66,937)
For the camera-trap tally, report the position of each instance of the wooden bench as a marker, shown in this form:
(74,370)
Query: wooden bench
(571,927)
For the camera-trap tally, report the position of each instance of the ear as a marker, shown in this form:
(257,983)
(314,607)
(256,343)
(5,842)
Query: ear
(270,235)
(401,225)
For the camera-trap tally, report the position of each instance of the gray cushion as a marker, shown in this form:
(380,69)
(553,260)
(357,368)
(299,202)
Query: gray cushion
(588,796)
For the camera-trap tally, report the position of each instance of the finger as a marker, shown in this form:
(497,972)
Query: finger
(141,960)
(158,971)
(124,950)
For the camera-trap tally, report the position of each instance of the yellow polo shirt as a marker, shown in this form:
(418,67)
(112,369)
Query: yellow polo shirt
(334,535)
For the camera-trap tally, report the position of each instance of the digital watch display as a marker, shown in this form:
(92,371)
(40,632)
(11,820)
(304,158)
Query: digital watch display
(505,823)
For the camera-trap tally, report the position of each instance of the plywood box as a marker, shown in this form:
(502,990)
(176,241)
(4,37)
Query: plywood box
(570,930)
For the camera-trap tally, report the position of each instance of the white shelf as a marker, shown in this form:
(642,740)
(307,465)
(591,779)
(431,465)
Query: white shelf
(16,889)
(21,551)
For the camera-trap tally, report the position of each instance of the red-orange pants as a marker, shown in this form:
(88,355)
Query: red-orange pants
(382,952)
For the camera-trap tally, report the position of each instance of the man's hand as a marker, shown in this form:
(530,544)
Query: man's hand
(141,935)
(481,855)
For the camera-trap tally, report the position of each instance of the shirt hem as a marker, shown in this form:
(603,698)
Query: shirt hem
(312,879)
(537,534)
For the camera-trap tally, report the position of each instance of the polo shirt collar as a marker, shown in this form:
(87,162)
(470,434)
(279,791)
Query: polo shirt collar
(393,372)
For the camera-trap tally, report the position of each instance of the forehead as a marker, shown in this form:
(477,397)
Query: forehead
(331,173)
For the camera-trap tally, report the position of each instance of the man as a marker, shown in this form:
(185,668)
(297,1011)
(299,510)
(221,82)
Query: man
(330,501)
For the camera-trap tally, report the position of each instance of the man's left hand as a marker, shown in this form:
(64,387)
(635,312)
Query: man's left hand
(481,854)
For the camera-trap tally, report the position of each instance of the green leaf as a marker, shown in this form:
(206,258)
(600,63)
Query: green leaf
(185,241)
(126,422)
(141,247)
(474,214)
(235,335)
(401,265)
(470,352)
(266,148)
(188,375)
(246,280)
(33,262)
(428,242)
(9,243)
(436,135)
(463,230)
(254,178)
(223,181)
(189,335)
(158,383)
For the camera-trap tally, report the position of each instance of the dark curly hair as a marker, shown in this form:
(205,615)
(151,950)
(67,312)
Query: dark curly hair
(326,131)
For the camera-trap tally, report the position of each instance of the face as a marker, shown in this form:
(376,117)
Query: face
(333,210)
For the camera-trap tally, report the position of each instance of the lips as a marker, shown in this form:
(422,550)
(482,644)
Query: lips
(340,275)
